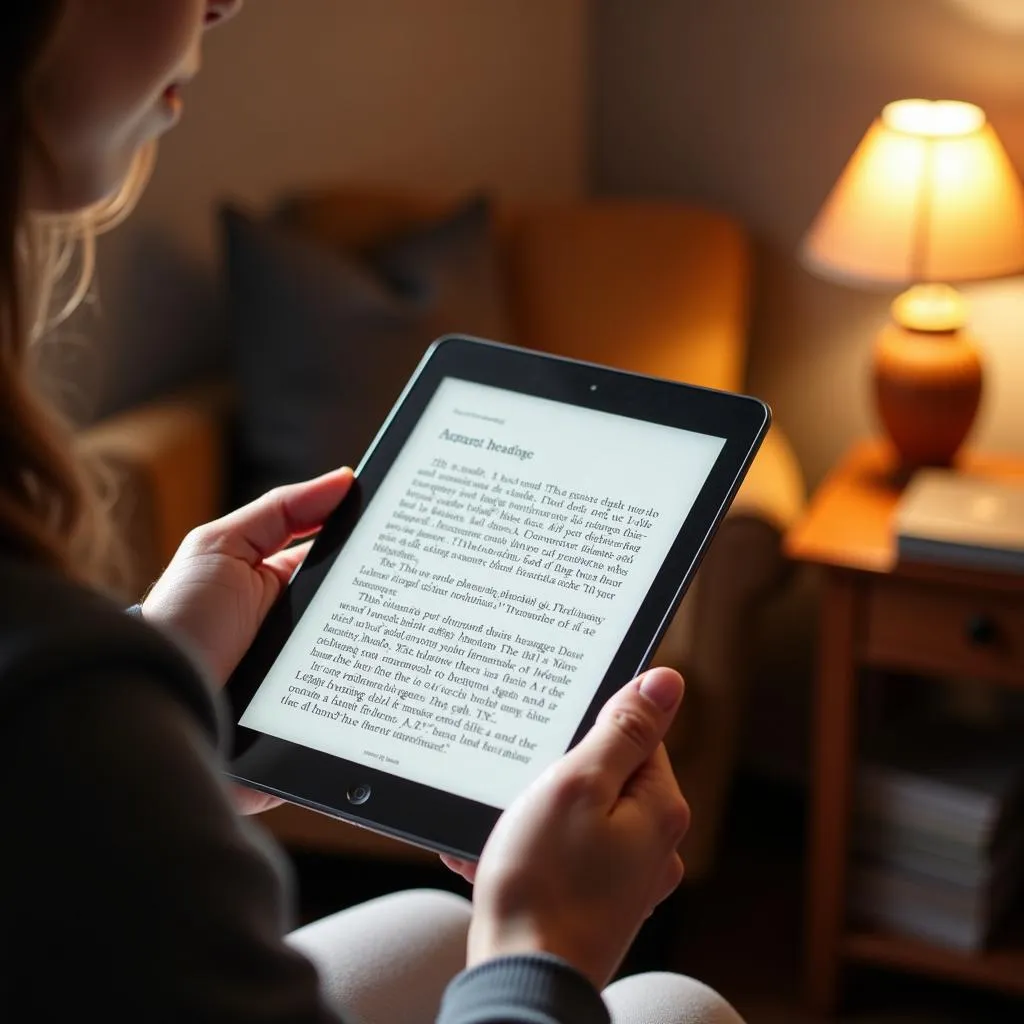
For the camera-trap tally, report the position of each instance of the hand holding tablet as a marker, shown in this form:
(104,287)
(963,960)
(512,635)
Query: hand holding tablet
(519,536)
(609,809)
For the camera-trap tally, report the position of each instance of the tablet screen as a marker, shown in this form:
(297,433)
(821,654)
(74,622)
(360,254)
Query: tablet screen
(468,621)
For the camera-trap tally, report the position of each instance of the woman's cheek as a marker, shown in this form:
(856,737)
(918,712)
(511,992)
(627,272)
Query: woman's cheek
(100,92)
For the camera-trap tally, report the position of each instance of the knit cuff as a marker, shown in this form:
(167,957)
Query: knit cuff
(534,989)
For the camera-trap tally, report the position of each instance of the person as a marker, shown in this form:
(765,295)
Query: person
(131,886)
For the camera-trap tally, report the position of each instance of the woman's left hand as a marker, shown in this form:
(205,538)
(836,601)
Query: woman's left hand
(226,575)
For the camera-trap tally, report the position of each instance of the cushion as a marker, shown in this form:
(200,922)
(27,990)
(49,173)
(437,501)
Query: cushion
(449,268)
(323,341)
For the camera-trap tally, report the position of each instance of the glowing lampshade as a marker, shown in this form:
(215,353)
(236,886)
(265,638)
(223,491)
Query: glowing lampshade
(929,195)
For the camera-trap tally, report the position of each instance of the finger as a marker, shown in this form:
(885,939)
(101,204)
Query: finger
(284,563)
(260,529)
(629,728)
(654,788)
(653,774)
(465,868)
(671,876)
(250,801)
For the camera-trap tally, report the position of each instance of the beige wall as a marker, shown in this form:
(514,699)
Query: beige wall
(434,93)
(754,106)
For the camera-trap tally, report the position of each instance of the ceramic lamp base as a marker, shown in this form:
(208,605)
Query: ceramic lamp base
(927,391)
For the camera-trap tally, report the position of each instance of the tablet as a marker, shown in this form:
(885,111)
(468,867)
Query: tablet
(515,544)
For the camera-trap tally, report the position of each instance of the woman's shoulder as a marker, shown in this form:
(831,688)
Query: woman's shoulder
(53,631)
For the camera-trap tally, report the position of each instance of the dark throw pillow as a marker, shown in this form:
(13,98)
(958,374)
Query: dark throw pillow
(450,269)
(323,341)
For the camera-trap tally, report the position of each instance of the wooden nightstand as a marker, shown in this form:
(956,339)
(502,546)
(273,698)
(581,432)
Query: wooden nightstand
(878,614)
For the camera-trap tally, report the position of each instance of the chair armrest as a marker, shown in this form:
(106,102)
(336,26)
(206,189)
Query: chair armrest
(746,555)
(774,489)
(167,461)
(710,639)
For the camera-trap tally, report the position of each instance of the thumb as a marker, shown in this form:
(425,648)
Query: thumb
(258,530)
(630,727)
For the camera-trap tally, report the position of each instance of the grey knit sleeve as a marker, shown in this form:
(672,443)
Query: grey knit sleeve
(140,893)
(538,989)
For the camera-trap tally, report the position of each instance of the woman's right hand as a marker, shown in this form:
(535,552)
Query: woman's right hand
(582,857)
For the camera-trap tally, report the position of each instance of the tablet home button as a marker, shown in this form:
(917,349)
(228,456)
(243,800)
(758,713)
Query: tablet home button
(358,794)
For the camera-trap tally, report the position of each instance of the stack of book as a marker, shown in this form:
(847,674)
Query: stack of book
(953,518)
(939,834)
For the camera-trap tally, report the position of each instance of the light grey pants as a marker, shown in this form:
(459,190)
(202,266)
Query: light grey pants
(389,961)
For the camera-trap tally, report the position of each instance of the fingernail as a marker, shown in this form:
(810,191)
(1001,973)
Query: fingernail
(662,687)
(331,474)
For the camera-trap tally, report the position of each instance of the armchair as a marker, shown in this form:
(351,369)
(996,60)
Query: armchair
(652,287)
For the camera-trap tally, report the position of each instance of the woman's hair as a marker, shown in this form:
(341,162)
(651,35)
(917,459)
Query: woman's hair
(51,506)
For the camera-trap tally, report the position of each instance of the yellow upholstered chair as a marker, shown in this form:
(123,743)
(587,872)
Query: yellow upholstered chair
(658,288)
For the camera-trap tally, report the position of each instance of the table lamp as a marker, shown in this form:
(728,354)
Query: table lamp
(928,198)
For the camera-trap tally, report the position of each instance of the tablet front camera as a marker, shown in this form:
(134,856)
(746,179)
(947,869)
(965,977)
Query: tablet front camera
(358,794)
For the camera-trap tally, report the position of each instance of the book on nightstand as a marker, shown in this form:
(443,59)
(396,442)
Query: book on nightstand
(939,833)
(949,517)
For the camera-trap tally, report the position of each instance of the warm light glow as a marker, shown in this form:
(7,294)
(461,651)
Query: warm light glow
(933,118)
(930,307)
(929,195)
(1000,16)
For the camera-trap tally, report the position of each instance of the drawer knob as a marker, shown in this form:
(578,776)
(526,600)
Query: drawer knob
(982,630)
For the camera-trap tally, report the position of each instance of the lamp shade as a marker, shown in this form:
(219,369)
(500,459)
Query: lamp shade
(929,195)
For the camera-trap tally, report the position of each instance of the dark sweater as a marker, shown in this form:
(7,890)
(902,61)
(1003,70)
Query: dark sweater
(129,888)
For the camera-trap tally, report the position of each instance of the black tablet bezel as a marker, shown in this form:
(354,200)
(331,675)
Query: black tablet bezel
(412,811)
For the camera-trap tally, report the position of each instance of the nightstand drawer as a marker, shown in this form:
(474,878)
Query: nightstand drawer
(948,630)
